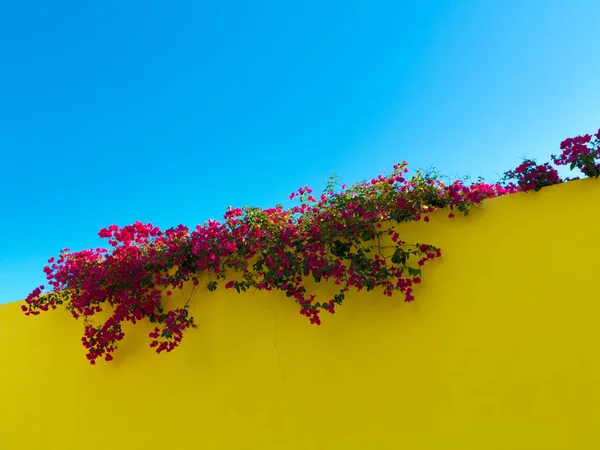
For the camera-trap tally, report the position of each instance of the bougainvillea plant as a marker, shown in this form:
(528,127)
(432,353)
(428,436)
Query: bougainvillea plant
(342,236)
(581,152)
(530,175)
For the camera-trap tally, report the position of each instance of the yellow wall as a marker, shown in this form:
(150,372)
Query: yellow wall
(501,350)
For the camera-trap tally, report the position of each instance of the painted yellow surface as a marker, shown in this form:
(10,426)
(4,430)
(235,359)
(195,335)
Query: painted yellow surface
(501,350)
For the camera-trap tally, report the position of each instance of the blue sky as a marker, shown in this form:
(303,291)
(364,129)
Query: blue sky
(168,112)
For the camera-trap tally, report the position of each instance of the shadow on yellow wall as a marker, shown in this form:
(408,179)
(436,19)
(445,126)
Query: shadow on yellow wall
(501,350)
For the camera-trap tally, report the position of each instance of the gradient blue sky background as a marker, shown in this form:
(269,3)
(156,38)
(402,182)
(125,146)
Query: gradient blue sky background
(168,112)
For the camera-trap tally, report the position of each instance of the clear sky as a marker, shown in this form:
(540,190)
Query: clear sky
(169,111)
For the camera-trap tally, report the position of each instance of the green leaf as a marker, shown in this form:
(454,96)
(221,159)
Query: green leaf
(338,298)
(399,256)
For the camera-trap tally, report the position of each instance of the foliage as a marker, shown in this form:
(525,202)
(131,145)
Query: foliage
(581,152)
(338,237)
(530,175)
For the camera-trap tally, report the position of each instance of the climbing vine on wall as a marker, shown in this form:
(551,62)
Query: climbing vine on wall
(335,236)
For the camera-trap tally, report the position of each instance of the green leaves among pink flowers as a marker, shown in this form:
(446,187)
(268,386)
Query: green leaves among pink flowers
(346,236)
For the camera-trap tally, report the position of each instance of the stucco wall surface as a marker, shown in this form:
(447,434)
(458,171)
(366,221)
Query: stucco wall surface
(500,350)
